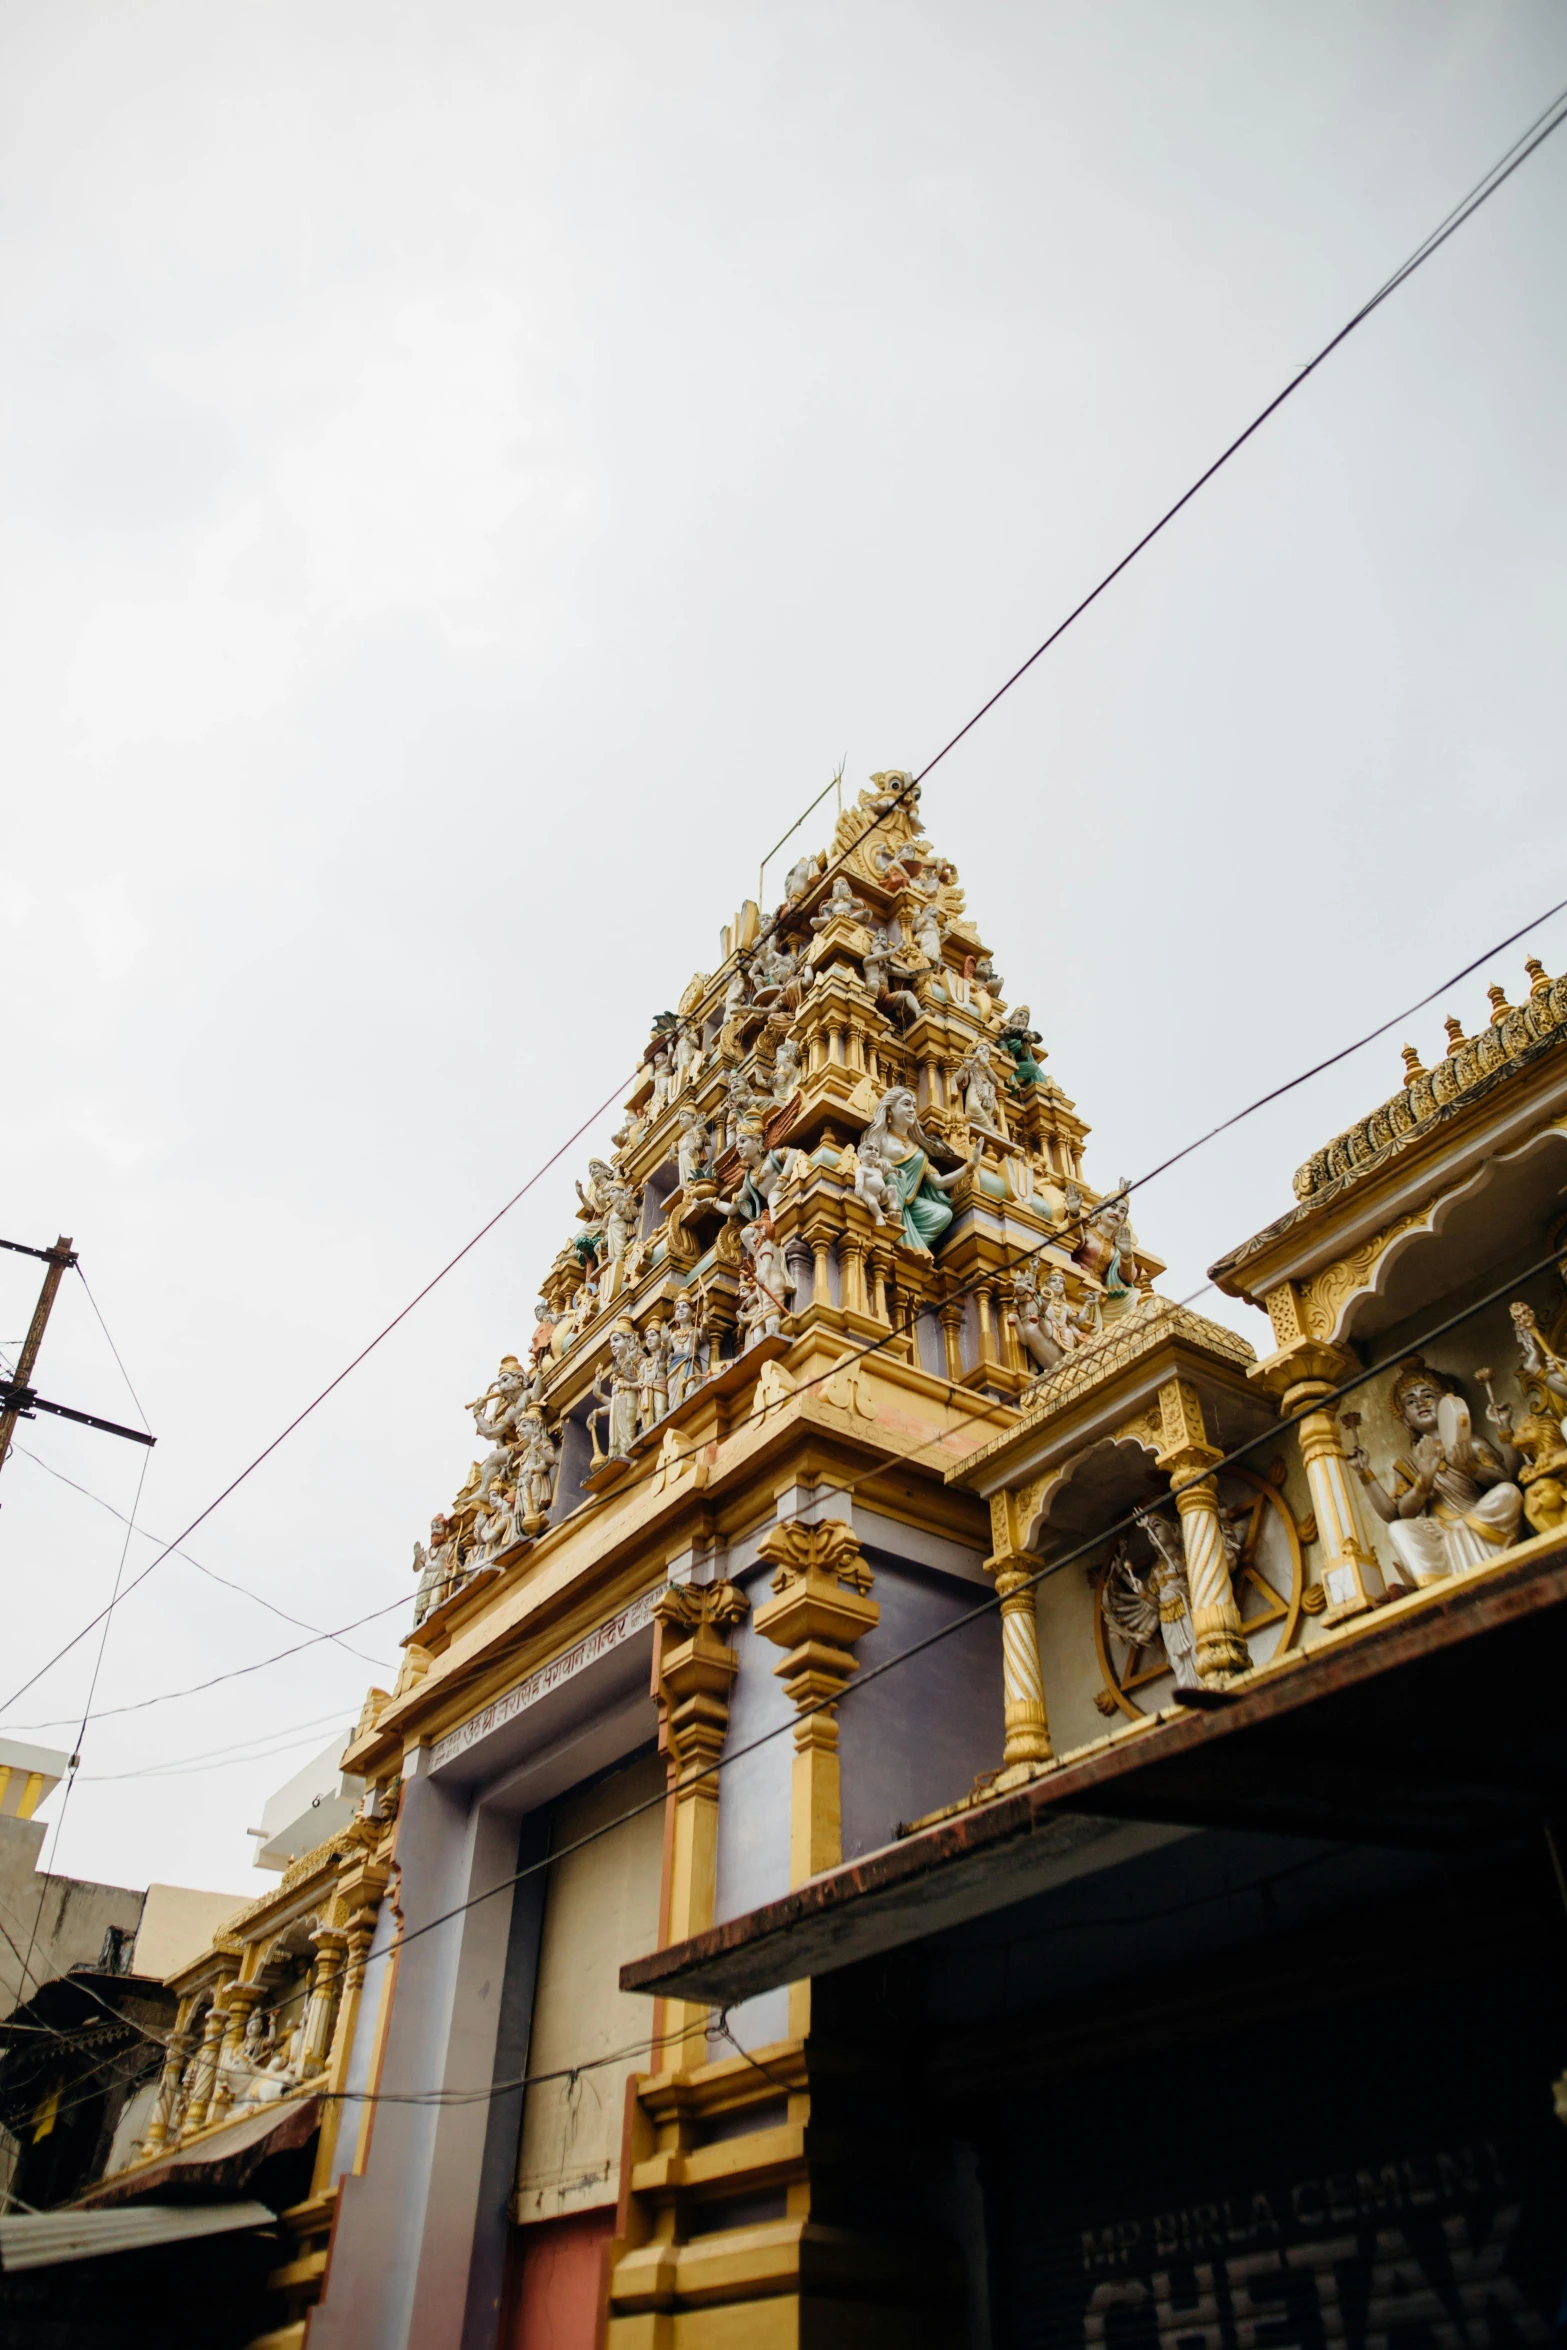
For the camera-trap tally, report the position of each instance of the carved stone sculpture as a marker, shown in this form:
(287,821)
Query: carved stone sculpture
(687,1348)
(494,1412)
(536,1465)
(897,1139)
(653,1387)
(1018,1039)
(786,1071)
(1066,1326)
(1154,1604)
(1028,1315)
(1541,1437)
(694,1151)
(617,1411)
(770,1277)
(434,1567)
(1452,1502)
(981,1094)
(840,901)
(873,1184)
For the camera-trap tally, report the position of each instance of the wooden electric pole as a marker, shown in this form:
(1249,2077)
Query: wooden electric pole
(18,1399)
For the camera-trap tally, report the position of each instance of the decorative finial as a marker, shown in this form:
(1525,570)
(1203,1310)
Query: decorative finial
(1500,1007)
(1413,1066)
(1539,977)
(1456,1038)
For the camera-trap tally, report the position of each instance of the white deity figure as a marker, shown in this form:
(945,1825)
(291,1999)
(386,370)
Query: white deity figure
(800,876)
(1066,1326)
(840,900)
(694,1150)
(687,1345)
(493,1527)
(1028,1314)
(595,1199)
(433,1568)
(1155,1605)
(660,1067)
(1453,1503)
(981,1094)
(535,1472)
(688,1055)
(885,977)
(494,1412)
(618,1409)
(653,1385)
(873,1184)
(620,1217)
(928,930)
(770,1277)
(786,1071)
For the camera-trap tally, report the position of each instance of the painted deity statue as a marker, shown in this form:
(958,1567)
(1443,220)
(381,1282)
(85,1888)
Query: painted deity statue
(1452,1503)
(887,978)
(653,1382)
(434,1568)
(1066,1326)
(840,900)
(897,1139)
(1156,1604)
(495,1412)
(786,1071)
(694,1151)
(535,1472)
(873,1183)
(1028,1315)
(981,1094)
(617,1411)
(763,1171)
(769,1273)
(1018,1039)
(1106,1246)
(687,1341)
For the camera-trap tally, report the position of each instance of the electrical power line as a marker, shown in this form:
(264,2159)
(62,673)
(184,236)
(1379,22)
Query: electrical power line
(1543,127)
(986,1607)
(227,1581)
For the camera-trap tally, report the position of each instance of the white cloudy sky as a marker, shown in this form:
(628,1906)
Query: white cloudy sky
(467,475)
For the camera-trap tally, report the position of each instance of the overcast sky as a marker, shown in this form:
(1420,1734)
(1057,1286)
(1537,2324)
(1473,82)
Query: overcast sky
(468,475)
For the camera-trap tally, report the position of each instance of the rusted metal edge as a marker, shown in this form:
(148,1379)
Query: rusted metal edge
(762,1948)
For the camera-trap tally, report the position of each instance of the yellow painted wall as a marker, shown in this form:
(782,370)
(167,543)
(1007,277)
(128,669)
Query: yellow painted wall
(601,1909)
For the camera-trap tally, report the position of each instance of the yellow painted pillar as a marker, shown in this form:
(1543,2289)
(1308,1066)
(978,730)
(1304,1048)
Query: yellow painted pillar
(697,1667)
(820,1606)
(1026,1724)
(1184,1455)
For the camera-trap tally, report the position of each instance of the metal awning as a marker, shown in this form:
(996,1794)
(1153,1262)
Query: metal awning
(45,2239)
(1434,1724)
(226,2158)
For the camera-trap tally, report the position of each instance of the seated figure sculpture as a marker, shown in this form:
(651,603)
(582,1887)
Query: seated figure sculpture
(1453,1503)
(898,1143)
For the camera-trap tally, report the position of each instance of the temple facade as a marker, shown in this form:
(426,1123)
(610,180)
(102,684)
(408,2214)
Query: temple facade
(893,1693)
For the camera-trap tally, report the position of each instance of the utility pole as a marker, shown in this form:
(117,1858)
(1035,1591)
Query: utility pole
(18,1399)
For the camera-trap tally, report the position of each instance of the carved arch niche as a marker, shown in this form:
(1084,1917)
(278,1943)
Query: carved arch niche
(1501,1215)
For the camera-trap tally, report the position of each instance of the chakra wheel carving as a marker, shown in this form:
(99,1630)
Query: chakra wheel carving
(1267,1573)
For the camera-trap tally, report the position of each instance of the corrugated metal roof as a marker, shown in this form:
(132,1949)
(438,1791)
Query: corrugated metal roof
(42,2239)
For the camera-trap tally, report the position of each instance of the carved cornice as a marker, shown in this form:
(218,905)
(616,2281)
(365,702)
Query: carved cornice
(1473,1069)
(1139,1334)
